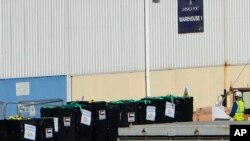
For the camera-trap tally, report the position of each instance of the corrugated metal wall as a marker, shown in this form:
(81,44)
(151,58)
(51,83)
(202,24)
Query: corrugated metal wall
(172,50)
(33,38)
(238,27)
(54,37)
(106,35)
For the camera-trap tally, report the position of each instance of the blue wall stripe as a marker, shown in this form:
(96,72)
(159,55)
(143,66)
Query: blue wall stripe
(49,87)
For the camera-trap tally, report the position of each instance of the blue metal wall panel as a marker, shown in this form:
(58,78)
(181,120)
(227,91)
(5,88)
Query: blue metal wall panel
(51,87)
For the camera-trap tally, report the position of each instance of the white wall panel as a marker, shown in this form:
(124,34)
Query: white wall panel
(238,26)
(172,50)
(1,43)
(31,39)
(34,39)
(53,37)
(106,36)
(59,44)
(6,34)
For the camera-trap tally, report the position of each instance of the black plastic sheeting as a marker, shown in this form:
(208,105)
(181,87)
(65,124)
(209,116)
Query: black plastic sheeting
(14,130)
(45,129)
(183,109)
(99,119)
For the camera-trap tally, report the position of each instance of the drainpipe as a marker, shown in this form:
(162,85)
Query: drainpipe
(225,52)
(147,49)
(224,102)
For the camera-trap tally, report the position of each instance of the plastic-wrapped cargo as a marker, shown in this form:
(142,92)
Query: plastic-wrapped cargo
(18,130)
(147,111)
(181,108)
(85,123)
(129,113)
(160,109)
(99,119)
(113,114)
(172,109)
(54,113)
(67,118)
(184,109)
(46,130)
(122,113)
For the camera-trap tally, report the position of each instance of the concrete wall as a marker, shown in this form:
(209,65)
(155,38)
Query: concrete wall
(204,84)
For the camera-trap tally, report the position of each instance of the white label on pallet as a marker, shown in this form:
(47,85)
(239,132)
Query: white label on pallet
(66,121)
(55,119)
(170,109)
(150,113)
(102,114)
(86,117)
(131,117)
(48,133)
(55,123)
(29,132)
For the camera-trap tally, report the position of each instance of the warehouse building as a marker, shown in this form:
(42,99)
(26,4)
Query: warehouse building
(104,49)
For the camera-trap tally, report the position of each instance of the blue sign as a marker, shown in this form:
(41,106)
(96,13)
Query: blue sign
(190,16)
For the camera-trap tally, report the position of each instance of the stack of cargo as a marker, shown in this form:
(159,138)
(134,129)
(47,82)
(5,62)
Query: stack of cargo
(74,121)
(98,118)
(66,118)
(121,113)
(113,114)
(53,113)
(45,129)
(164,109)
(26,130)
(96,121)
(129,113)
(147,111)
(171,109)
(161,109)
(17,130)
(84,123)
(184,109)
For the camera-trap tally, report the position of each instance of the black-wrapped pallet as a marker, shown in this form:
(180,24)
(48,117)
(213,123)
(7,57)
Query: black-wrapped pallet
(147,112)
(67,120)
(180,109)
(101,122)
(184,109)
(85,123)
(113,114)
(99,117)
(45,129)
(190,107)
(18,130)
(161,109)
(54,114)
(129,113)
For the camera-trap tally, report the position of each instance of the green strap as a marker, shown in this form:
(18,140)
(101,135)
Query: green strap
(51,106)
(145,101)
(73,105)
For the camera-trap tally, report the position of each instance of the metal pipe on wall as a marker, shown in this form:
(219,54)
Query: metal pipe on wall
(147,49)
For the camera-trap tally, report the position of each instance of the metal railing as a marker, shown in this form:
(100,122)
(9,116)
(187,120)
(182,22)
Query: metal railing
(2,109)
(21,105)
